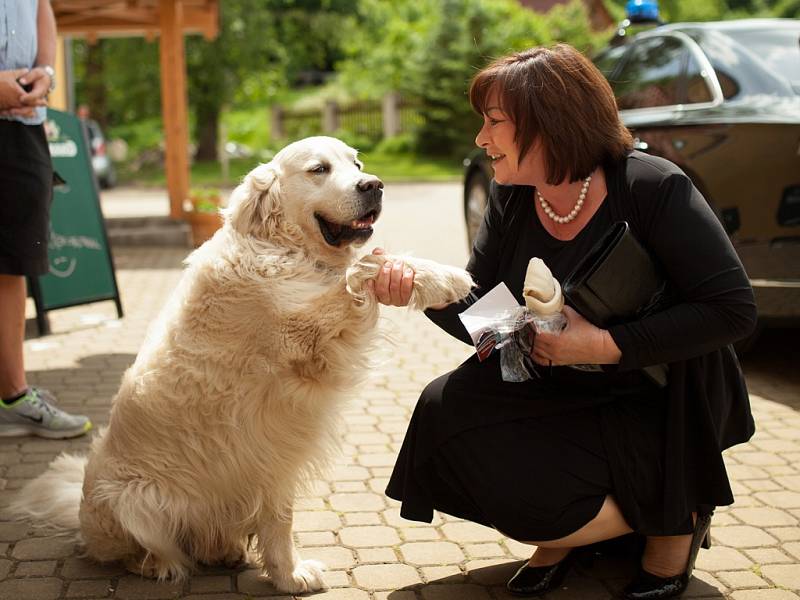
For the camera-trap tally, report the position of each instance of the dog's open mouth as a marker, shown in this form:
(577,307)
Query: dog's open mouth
(337,233)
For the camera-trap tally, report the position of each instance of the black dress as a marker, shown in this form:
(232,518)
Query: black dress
(536,459)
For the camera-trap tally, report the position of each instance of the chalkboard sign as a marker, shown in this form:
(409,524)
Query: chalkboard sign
(81,267)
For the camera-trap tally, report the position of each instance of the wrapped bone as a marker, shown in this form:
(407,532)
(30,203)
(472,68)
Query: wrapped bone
(541,290)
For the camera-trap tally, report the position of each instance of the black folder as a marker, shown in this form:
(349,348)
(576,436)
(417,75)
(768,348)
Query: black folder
(618,282)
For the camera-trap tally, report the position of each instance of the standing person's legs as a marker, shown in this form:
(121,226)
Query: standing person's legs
(12,335)
(26,191)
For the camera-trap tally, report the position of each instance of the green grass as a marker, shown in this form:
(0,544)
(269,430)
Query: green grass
(409,167)
(389,167)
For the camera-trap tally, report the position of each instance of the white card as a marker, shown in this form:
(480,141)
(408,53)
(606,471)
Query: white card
(479,316)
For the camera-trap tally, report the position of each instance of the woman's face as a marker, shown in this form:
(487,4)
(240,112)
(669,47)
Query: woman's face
(496,137)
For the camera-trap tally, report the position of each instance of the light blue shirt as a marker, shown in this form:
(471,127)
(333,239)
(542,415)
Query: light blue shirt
(19,44)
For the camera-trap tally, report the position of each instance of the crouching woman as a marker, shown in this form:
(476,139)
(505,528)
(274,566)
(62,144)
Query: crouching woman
(574,457)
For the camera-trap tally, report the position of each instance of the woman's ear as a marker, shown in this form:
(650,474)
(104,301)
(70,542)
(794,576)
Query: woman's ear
(254,207)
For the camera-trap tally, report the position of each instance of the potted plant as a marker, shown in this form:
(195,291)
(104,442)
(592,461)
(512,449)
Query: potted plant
(202,213)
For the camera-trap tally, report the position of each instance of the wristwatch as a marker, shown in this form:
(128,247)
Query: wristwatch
(51,73)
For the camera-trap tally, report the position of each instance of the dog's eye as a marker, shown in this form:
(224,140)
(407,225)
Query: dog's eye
(359,165)
(320,169)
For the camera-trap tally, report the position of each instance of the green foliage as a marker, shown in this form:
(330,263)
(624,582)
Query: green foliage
(360,142)
(399,144)
(204,200)
(247,126)
(128,77)
(391,167)
(385,38)
(429,50)
(789,9)
(139,134)
(570,23)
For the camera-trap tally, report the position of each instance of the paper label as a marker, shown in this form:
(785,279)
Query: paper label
(479,317)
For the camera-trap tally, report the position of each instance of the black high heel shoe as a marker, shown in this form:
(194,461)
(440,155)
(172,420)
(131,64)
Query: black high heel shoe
(534,581)
(646,586)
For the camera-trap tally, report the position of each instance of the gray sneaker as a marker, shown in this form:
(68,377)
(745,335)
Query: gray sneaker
(34,414)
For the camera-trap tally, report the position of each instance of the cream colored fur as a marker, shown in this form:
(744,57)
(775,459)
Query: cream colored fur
(232,402)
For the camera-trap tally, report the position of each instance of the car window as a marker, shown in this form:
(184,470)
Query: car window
(740,71)
(608,60)
(778,48)
(697,88)
(651,73)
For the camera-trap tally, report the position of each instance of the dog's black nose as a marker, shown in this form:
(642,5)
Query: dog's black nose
(367,185)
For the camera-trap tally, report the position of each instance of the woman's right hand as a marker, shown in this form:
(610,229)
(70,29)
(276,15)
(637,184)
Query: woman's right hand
(393,284)
(11,91)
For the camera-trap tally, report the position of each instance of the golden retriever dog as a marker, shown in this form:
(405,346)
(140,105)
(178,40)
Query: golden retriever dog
(232,402)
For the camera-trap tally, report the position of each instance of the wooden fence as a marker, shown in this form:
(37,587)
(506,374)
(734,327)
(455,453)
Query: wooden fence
(374,120)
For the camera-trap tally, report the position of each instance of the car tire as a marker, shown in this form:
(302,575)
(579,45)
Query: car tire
(109,181)
(476,198)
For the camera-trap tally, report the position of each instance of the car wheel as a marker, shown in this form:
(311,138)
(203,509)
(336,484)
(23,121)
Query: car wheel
(476,197)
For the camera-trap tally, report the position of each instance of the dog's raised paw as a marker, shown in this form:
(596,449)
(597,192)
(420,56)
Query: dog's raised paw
(306,577)
(438,284)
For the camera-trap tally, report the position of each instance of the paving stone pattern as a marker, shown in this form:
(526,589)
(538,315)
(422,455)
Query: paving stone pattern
(346,521)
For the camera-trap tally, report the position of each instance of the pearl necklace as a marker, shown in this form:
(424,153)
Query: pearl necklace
(548,210)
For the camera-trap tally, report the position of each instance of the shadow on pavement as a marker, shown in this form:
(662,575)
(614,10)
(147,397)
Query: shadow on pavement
(771,366)
(150,257)
(86,388)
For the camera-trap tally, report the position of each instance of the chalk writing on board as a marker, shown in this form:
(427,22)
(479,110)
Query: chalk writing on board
(64,266)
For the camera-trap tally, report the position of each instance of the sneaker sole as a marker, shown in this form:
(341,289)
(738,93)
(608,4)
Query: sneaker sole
(51,434)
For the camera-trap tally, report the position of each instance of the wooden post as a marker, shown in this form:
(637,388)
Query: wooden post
(391,114)
(59,98)
(278,132)
(222,152)
(330,116)
(173,103)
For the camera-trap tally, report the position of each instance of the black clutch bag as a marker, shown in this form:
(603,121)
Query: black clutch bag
(617,282)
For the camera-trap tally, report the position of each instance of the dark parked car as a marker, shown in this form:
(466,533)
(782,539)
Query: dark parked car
(722,101)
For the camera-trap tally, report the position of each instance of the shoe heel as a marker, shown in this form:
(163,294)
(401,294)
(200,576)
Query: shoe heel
(700,539)
(706,545)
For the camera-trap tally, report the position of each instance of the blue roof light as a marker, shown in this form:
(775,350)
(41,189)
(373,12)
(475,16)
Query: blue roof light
(642,10)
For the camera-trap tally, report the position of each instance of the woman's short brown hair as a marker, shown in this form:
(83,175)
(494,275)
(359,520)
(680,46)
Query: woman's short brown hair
(558,96)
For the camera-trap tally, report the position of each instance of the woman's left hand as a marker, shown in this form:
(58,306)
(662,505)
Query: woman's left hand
(579,343)
(393,284)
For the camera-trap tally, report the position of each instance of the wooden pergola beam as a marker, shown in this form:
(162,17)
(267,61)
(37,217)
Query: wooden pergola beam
(169,20)
(112,23)
(100,18)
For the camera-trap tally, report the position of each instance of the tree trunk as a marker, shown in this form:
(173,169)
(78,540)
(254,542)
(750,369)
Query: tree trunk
(95,84)
(206,131)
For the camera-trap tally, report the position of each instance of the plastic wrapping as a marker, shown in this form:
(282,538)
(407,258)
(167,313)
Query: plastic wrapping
(513,332)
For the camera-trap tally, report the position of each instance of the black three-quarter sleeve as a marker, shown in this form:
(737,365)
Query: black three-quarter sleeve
(713,303)
(483,264)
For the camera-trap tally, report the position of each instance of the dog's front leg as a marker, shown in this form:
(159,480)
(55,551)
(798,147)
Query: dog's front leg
(434,283)
(282,562)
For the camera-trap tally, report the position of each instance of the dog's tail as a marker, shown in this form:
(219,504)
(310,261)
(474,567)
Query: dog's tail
(53,499)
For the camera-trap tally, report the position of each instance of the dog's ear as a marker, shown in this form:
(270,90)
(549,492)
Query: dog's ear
(254,207)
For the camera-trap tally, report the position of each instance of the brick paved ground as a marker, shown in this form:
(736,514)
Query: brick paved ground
(347,522)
